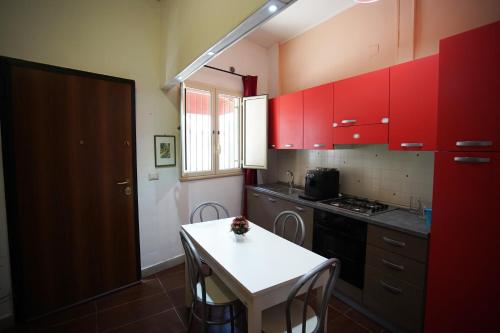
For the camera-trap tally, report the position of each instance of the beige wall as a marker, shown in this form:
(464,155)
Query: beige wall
(191,27)
(368,37)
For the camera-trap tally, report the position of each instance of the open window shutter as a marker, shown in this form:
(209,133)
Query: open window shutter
(254,132)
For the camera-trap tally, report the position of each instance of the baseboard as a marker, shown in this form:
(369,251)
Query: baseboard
(150,270)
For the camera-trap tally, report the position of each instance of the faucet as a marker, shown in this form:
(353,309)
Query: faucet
(290,180)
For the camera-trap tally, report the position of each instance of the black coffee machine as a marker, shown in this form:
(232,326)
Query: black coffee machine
(321,183)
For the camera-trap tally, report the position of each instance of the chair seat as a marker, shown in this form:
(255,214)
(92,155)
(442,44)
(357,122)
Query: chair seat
(217,292)
(274,319)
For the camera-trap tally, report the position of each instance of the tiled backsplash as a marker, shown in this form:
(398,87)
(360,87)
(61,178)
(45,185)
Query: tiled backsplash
(370,171)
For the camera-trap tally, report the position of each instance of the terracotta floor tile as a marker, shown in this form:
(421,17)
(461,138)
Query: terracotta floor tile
(73,313)
(177,296)
(81,325)
(163,322)
(342,324)
(364,321)
(173,280)
(170,271)
(148,287)
(133,311)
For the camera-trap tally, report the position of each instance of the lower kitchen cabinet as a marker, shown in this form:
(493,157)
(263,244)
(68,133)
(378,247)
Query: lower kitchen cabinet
(263,209)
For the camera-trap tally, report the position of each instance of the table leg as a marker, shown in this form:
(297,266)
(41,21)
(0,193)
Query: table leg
(254,319)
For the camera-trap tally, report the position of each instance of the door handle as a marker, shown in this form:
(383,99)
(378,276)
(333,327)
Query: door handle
(255,195)
(125,182)
(412,145)
(471,159)
(288,145)
(474,143)
(300,209)
(348,121)
(271,199)
(319,145)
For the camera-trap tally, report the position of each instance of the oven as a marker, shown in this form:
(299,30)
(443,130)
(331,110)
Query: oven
(338,236)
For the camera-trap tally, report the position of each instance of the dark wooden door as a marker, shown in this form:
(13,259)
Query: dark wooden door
(69,159)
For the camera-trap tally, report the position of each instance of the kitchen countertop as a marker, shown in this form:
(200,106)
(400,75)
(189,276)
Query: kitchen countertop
(398,219)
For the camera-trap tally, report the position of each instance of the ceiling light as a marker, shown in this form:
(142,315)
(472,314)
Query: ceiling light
(272,8)
(365,1)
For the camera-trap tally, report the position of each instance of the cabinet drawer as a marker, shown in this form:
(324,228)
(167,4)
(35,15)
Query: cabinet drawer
(395,300)
(396,266)
(307,215)
(398,242)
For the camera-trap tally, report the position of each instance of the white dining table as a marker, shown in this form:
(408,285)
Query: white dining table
(260,270)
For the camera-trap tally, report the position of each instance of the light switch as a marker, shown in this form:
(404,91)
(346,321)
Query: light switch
(154,176)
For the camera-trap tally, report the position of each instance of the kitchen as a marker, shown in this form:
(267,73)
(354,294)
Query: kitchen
(359,107)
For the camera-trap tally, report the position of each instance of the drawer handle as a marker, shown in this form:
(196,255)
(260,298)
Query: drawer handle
(392,289)
(319,145)
(393,265)
(256,195)
(273,146)
(348,121)
(394,242)
(471,159)
(412,145)
(289,145)
(474,143)
(271,199)
(300,209)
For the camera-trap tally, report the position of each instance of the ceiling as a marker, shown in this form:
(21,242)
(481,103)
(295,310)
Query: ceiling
(296,19)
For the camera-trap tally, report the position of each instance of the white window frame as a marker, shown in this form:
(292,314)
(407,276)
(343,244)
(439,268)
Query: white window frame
(215,172)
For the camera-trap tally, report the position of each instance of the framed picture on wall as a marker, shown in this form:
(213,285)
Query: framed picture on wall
(164,150)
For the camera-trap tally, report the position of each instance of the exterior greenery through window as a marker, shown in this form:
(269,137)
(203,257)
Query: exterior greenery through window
(210,125)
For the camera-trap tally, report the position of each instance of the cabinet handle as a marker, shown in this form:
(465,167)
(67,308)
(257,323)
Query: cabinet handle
(474,143)
(471,159)
(412,145)
(256,195)
(289,145)
(393,265)
(271,199)
(300,209)
(392,289)
(394,242)
(273,146)
(348,121)
(319,145)
(356,136)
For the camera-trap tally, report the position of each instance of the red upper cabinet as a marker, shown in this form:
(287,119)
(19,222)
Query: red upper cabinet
(318,117)
(413,104)
(362,100)
(469,91)
(291,121)
(273,122)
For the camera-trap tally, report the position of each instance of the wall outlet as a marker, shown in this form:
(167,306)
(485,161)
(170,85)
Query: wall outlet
(153,176)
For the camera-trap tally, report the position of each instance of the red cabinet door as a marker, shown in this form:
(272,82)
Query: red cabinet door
(273,122)
(463,293)
(364,134)
(469,91)
(318,117)
(362,100)
(291,121)
(413,105)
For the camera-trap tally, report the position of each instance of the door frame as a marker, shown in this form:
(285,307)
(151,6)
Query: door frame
(9,169)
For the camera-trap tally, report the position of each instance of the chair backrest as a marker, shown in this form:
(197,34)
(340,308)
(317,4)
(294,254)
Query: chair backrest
(220,211)
(195,272)
(331,265)
(286,220)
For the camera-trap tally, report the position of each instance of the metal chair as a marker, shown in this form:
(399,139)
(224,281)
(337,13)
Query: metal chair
(219,210)
(285,218)
(207,291)
(295,315)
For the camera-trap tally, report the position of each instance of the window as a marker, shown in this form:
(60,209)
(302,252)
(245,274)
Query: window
(210,124)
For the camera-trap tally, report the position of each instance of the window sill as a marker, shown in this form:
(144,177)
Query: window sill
(220,175)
